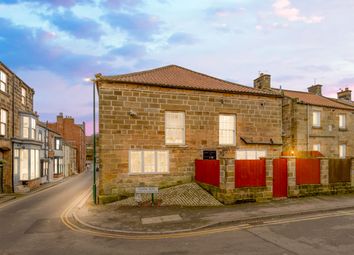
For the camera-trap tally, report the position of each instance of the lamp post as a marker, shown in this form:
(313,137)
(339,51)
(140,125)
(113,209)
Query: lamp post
(94,141)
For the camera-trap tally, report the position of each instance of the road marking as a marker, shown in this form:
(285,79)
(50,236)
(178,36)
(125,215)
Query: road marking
(65,218)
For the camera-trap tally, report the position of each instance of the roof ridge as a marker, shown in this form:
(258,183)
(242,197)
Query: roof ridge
(186,69)
(140,72)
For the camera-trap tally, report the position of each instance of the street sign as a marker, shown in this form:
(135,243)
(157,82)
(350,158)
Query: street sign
(147,190)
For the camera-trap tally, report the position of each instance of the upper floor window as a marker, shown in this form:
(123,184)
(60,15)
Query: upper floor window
(227,129)
(28,127)
(342,121)
(40,136)
(174,128)
(3,122)
(316,147)
(58,144)
(342,150)
(316,119)
(23,96)
(3,81)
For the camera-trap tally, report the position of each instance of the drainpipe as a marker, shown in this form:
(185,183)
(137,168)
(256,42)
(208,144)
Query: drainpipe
(13,133)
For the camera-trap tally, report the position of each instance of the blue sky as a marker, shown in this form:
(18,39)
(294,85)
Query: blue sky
(54,45)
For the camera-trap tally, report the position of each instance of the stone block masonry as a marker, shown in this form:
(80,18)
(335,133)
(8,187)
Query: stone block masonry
(133,117)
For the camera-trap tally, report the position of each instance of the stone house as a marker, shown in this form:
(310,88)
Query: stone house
(154,124)
(313,122)
(69,159)
(19,147)
(74,135)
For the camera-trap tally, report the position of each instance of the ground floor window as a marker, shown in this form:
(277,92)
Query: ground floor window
(148,161)
(58,165)
(250,154)
(26,164)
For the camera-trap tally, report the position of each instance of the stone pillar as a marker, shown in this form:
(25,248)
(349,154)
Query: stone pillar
(292,188)
(227,174)
(269,177)
(324,171)
(223,163)
(352,173)
(230,174)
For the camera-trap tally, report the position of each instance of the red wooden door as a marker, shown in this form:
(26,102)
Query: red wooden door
(280,177)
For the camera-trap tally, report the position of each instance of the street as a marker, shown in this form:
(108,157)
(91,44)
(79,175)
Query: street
(32,225)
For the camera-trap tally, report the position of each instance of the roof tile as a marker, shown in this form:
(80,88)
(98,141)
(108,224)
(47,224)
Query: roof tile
(180,77)
(309,98)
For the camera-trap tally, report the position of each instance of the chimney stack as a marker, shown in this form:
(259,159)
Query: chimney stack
(315,89)
(345,94)
(262,82)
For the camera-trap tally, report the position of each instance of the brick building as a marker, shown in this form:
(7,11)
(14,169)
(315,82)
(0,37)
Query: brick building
(19,147)
(154,124)
(74,135)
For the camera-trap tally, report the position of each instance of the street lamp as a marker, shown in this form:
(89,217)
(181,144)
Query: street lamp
(94,141)
(94,188)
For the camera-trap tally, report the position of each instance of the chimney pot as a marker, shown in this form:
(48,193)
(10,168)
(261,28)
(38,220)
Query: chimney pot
(345,94)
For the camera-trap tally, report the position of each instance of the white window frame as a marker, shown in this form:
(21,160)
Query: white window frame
(233,142)
(316,122)
(342,150)
(3,81)
(316,147)
(59,143)
(31,129)
(3,122)
(342,121)
(156,165)
(23,95)
(182,128)
(248,154)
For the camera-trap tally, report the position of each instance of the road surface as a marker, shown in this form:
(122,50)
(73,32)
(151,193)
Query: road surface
(32,226)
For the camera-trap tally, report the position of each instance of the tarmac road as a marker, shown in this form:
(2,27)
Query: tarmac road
(32,225)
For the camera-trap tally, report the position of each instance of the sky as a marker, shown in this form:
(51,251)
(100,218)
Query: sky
(54,46)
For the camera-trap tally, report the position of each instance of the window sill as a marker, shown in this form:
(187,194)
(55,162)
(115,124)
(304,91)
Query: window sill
(233,146)
(176,146)
(342,129)
(147,174)
(316,127)
(4,93)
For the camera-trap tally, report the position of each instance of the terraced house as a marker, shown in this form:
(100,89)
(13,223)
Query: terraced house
(19,148)
(154,124)
(31,153)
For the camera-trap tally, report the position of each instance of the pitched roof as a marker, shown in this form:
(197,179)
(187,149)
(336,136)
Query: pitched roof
(312,99)
(180,77)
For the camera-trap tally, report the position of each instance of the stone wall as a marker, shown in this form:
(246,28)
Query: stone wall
(316,189)
(301,136)
(258,117)
(11,102)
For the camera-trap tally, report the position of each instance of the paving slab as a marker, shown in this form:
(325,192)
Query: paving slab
(161,219)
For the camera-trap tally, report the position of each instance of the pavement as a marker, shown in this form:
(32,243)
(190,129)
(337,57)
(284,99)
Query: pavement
(5,197)
(174,219)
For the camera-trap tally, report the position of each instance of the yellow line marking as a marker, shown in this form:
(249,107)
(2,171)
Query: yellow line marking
(65,218)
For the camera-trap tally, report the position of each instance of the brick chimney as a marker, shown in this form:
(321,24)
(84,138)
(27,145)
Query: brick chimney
(315,89)
(345,94)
